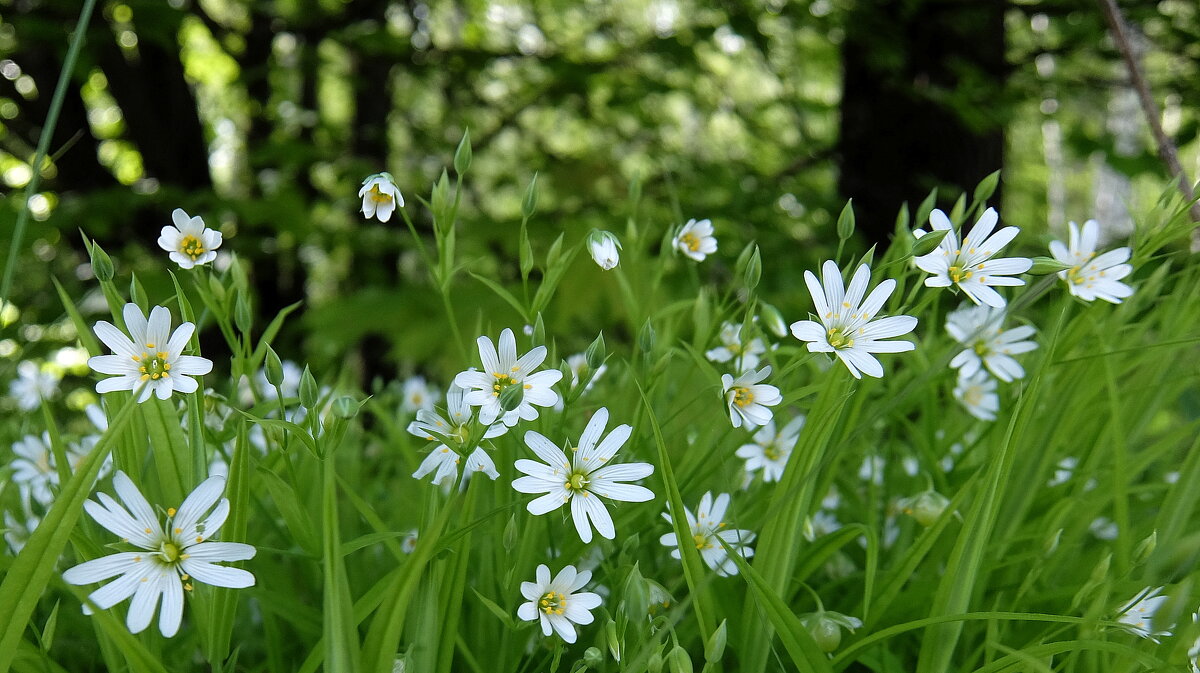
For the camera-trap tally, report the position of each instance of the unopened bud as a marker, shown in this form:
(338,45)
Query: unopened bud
(242,315)
(604,248)
(1100,572)
(646,337)
(539,331)
(679,660)
(753,271)
(511,396)
(529,204)
(345,407)
(655,663)
(1044,266)
(773,319)
(462,156)
(827,634)
(216,289)
(1051,542)
(845,223)
(274,368)
(637,595)
(714,649)
(137,294)
(309,393)
(928,242)
(595,353)
(1145,548)
(102,266)
(593,657)
(509,539)
(614,641)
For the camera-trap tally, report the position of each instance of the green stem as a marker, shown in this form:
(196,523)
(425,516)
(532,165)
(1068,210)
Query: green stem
(43,146)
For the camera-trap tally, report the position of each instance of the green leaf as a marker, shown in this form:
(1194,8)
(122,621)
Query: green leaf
(502,293)
(172,457)
(495,609)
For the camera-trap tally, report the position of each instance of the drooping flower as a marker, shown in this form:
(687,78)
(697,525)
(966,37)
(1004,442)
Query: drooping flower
(556,603)
(166,559)
(17,530)
(584,477)
(770,450)
(825,627)
(501,371)
(744,355)
(417,395)
(847,326)
(970,265)
(695,240)
(1138,614)
(707,525)
(987,344)
(748,398)
(380,196)
(189,242)
(605,249)
(32,386)
(151,357)
(977,393)
(453,437)
(1091,277)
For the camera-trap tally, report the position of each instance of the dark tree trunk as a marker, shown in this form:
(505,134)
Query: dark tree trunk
(922,103)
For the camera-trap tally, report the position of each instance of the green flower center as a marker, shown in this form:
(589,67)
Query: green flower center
(553,603)
(170,552)
(192,247)
(576,481)
(702,542)
(959,274)
(153,368)
(773,452)
(981,348)
(838,338)
(742,396)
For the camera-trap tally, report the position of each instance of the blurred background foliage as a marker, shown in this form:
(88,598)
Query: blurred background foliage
(762,115)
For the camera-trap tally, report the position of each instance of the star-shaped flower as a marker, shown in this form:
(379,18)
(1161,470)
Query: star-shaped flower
(970,265)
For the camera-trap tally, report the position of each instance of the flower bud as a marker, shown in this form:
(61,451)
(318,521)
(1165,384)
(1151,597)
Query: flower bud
(511,397)
(1145,548)
(529,204)
(102,266)
(679,660)
(826,634)
(925,507)
(309,393)
(773,319)
(845,223)
(753,271)
(274,368)
(714,649)
(614,641)
(605,249)
(462,155)
(593,657)
(1044,266)
(216,289)
(655,663)
(1051,542)
(137,293)
(539,331)
(509,539)
(637,595)
(595,353)
(345,407)
(928,242)
(242,315)
(646,337)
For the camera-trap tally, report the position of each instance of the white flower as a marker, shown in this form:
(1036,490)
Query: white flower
(555,603)
(189,242)
(32,386)
(1138,614)
(380,196)
(970,266)
(1063,471)
(605,249)
(584,477)
(977,393)
(847,328)
(1091,277)
(417,395)
(96,415)
(504,369)
(872,469)
(167,558)
(408,544)
(748,399)
(732,347)
(695,239)
(709,524)
(987,345)
(1104,528)
(770,451)
(153,359)
(579,368)
(1193,653)
(443,460)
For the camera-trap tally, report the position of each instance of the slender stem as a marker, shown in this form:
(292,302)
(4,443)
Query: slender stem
(43,146)
(1166,149)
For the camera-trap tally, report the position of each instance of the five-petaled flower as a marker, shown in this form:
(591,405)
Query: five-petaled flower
(151,357)
(501,371)
(583,477)
(695,239)
(970,265)
(987,345)
(748,398)
(166,559)
(555,603)
(706,526)
(189,242)
(380,196)
(1092,277)
(848,328)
